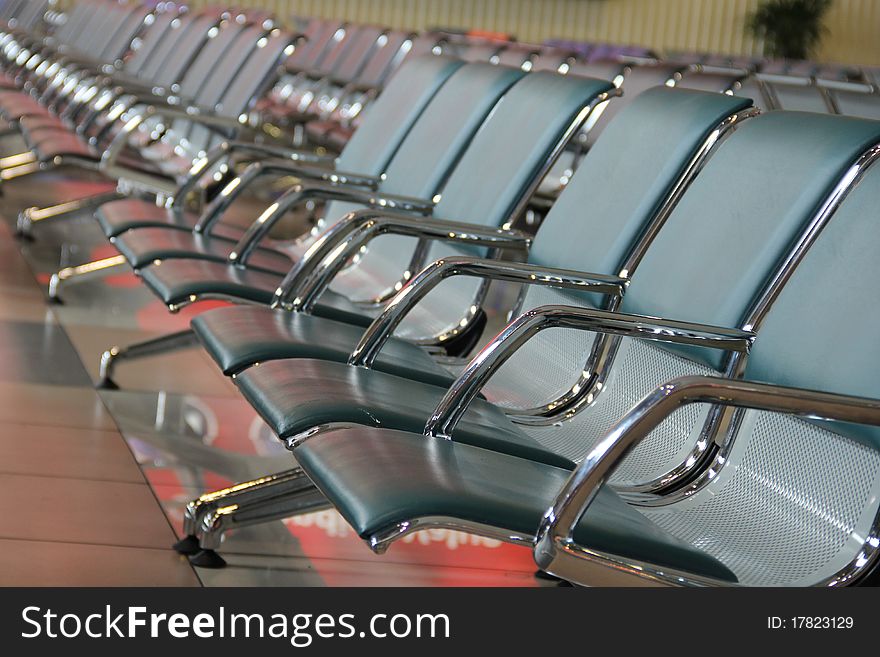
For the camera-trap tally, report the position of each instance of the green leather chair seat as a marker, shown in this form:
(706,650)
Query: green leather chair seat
(143,246)
(296,395)
(177,281)
(378,478)
(239,336)
(116,217)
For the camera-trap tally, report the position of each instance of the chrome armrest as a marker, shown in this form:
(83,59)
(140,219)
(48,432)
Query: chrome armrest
(228,149)
(111,154)
(459,396)
(328,255)
(235,187)
(383,326)
(556,550)
(305,191)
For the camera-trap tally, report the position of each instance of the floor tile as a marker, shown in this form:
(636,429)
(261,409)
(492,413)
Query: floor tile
(39,353)
(81,511)
(42,563)
(52,405)
(66,452)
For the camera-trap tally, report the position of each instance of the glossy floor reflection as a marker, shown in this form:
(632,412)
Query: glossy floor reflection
(186,426)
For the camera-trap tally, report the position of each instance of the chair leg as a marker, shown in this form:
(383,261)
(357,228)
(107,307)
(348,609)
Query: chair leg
(81,273)
(18,159)
(29,216)
(25,170)
(163,344)
(216,523)
(257,489)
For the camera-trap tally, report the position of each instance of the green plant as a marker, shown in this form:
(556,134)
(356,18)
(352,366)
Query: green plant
(790,28)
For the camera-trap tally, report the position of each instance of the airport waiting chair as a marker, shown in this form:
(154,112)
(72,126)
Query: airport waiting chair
(241,61)
(365,159)
(796,502)
(342,123)
(763,515)
(351,99)
(384,265)
(689,121)
(535,141)
(688,127)
(418,167)
(563,416)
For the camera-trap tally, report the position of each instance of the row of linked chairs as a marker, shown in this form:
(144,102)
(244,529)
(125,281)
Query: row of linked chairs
(685,390)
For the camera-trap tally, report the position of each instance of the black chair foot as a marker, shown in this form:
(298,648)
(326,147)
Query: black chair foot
(208,559)
(188,545)
(23,236)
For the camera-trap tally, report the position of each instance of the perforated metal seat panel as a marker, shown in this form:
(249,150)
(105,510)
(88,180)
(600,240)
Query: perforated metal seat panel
(786,508)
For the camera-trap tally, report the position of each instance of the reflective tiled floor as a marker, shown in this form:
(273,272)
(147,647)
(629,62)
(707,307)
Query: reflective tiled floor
(92,485)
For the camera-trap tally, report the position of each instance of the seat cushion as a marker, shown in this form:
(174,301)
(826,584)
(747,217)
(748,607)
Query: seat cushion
(379,478)
(119,216)
(177,281)
(239,336)
(296,395)
(141,246)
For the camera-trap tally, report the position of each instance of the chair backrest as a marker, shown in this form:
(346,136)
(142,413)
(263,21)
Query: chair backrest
(121,41)
(712,257)
(362,45)
(321,36)
(217,62)
(158,30)
(31,14)
(80,18)
(493,177)
(821,332)
(391,48)
(626,176)
(257,73)
(445,127)
(636,79)
(505,156)
(178,51)
(337,49)
(107,22)
(391,116)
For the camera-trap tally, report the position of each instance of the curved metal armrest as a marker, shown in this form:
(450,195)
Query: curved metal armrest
(229,149)
(329,254)
(457,399)
(235,187)
(555,544)
(302,192)
(111,154)
(383,326)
